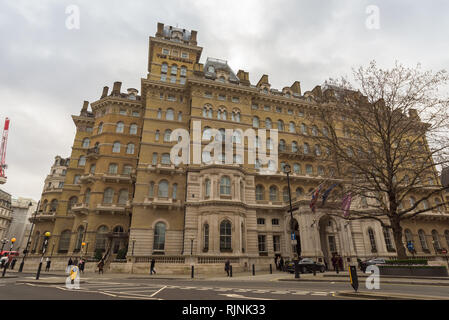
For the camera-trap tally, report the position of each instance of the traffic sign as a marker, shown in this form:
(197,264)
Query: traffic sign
(410,246)
(444,251)
(293,236)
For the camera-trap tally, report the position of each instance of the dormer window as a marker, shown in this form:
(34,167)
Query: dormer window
(184,55)
(265,90)
(222,79)
(211,69)
(165,51)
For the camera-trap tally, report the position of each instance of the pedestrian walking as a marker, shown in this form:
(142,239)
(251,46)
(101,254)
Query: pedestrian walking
(153,262)
(335,262)
(81,265)
(100,266)
(13,263)
(340,262)
(281,264)
(47,267)
(75,262)
(227,266)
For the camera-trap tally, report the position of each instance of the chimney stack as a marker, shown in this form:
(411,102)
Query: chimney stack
(84,109)
(105,92)
(193,38)
(116,88)
(160,29)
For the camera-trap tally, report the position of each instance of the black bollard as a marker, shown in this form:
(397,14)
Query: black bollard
(4,270)
(296,269)
(39,270)
(193,271)
(230,271)
(271,269)
(314,272)
(254,270)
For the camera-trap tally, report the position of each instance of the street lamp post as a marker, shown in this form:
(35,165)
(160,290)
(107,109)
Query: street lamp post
(6,263)
(134,242)
(4,241)
(25,252)
(46,238)
(287,170)
(83,244)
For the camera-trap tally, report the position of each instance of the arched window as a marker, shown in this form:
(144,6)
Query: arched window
(225,185)
(282,145)
(164,68)
(314,131)
(296,168)
(325,132)
(79,238)
(87,196)
(64,241)
(174,69)
(113,168)
(156,136)
(256,122)
(159,236)
(291,127)
(207,188)
(170,115)
(163,189)
(167,134)
(82,161)
(237,137)
(133,129)
(303,128)
(72,201)
(100,128)
(116,147)
(151,190)
(306,148)
(159,113)
(408,236)
(272,166)
(446,235)
(86,143)
(388,242)
(101,238)
(422,240)
(309,169)
(260,192)
(225,235)
(372,240)
(280,125)
(285,196)
(175,191)
(412,201)
(123,196)
(179,116)
(130,148)
(53,205)
(317,150)
(320,171)
(268,123)
(299,192)
(273,193)
(76,179)
(119,127)
(269,144)
(425,204)
(205,237)
(436,241)
(294,146)
(127,169)
(108,195)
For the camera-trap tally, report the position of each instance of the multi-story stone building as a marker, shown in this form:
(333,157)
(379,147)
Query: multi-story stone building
(22,210)
(122,191)
(5,213)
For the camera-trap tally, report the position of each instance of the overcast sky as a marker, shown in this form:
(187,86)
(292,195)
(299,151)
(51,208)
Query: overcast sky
(47,69)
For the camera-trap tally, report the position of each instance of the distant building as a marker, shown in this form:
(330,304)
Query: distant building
(5,213)
(22,210)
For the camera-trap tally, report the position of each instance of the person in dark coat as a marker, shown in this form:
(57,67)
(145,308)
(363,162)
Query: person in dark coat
(227,266)
(100,266)
(340,262)
(81,265)
(335,262)
(281,264)
(153,262)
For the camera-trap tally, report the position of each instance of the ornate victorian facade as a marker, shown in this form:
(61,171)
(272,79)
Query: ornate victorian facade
(122,191)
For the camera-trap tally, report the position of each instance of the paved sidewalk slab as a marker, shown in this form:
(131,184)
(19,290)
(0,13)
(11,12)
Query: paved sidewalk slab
(386,296)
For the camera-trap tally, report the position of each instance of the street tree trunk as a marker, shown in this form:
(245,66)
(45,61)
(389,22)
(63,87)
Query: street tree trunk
(397,235)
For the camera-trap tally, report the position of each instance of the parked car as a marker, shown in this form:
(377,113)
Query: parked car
(375,261)
(305,265)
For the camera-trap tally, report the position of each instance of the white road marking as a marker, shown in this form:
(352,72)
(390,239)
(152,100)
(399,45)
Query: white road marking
(187,288)
(158,291)
(260,291)
(301,292)
(319,293)
(280,292)
(222,289)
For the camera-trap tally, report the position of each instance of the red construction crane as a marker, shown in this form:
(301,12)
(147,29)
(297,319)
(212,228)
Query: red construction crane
(3,152)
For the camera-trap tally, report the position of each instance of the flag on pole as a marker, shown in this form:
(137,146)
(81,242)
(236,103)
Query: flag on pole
(315,196)
(327,192)
(346,204)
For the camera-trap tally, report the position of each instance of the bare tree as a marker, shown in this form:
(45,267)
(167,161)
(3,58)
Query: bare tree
(387,139)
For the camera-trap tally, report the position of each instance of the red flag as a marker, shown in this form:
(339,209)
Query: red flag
(315,198)
(346,204)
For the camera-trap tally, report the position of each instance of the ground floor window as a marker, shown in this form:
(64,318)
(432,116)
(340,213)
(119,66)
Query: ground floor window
(262,243)
(276,243)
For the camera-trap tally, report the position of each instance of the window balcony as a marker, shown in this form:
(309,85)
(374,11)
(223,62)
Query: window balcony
(165,168)
(87,178)
(113,207)
(168,203)
(115,177)
(93,153)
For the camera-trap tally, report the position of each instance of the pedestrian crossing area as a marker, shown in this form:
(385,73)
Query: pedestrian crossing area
(151,291)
